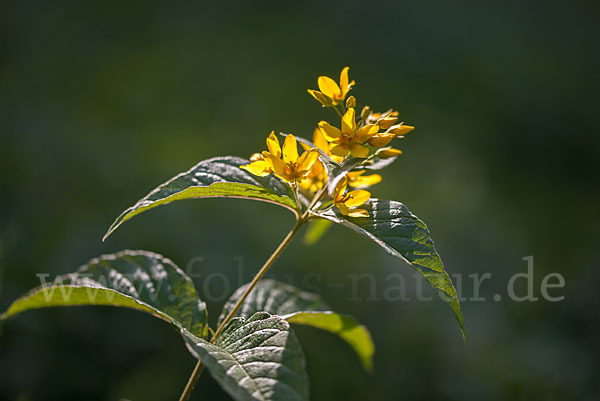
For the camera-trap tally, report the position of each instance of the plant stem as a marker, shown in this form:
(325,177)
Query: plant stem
(314,201)
(189,387)
(337,111)
(198,369)
(259,275)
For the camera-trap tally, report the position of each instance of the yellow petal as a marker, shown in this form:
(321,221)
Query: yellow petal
(381,140)
(279,167)
(321,98)
(342,208)
(320,141)
(260,168)
(401,129)
(341,186)
(273,145)
(365,181)
(340,150)
(344,81)
(329,87)
(357,198)
(365,133)
(306,161)
(353,175)
(256,157)
(330,132)
(358,213)
(358,150)
(349,121)
(290,149)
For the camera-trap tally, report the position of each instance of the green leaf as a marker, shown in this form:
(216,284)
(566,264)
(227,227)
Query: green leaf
(402,234)
(346,327)
(301,307)
(139,280)
(315,230)
(217,177)
(255,359)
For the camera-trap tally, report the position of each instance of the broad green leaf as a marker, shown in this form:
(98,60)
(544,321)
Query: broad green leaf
(139,280)
(258,358)
(301,307)
(402,234)
(315,230)
(217,177)
(346,327)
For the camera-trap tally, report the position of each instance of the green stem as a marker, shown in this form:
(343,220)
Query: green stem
(189,387)
(337,111)
(198,369)
(314,201)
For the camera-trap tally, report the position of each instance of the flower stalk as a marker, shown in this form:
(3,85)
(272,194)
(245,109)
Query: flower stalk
(187,391)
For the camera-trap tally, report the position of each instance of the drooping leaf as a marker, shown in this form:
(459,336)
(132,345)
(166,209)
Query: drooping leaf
(258,358)
(315,230)
(402,234)
(217,177)
(306,308)
(139,280)
(346,327)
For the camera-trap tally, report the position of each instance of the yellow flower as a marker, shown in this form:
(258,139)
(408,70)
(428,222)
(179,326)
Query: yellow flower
(347,203)
(356,179)
(317,176)
(350,138)
(284,163)
(330,93)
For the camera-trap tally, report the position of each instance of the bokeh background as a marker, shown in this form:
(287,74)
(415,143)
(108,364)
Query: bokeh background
(100,101)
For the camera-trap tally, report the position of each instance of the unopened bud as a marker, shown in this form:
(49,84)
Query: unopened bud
(401,129)
(387,153)
(387,122)
(364,114)
(351,102)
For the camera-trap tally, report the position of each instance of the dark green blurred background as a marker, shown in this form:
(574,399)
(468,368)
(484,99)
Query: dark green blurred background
(101,101)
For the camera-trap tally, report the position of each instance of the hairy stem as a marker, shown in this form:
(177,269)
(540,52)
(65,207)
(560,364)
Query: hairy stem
(198,369)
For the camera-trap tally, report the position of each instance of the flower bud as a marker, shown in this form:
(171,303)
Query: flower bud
(351,102)
(401,129)
(387,122)
(364,114)
(387,153)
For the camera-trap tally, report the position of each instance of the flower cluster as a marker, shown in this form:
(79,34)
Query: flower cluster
(360,139)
